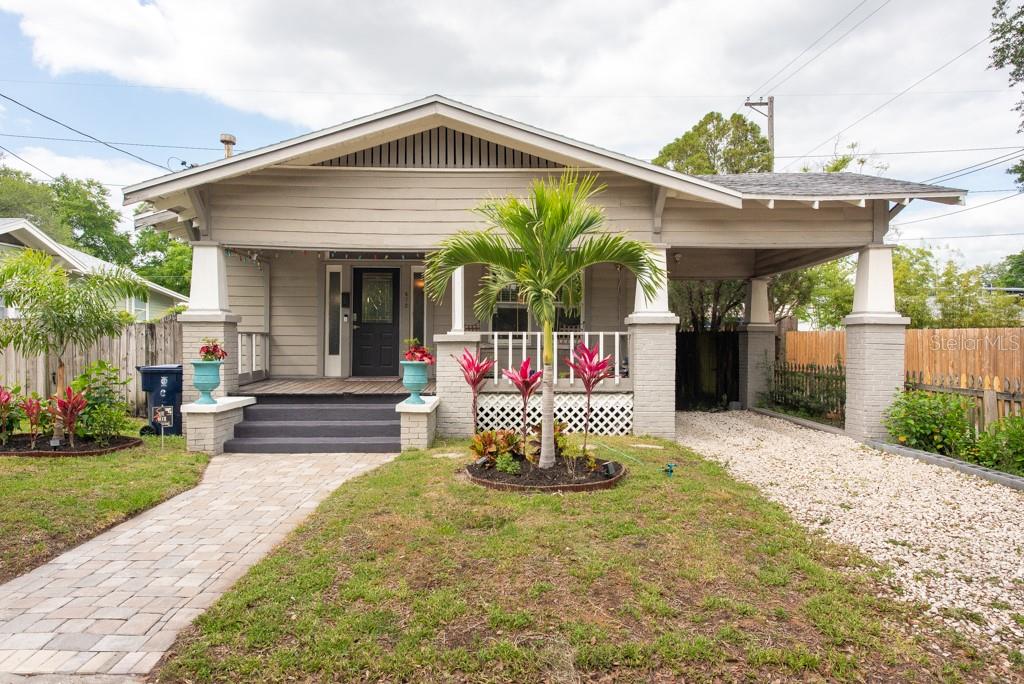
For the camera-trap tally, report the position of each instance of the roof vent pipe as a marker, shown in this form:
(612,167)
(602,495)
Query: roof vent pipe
(228,141)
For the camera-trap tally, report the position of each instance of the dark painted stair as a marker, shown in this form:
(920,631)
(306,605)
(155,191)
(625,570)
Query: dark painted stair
(300,424)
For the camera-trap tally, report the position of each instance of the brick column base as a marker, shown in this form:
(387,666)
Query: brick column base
(208,426)
(455,412)
(194,328)
(419,423)
(874,371)
(652,370)
(757,353)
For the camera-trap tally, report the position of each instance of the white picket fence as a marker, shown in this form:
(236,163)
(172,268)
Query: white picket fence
(510,349)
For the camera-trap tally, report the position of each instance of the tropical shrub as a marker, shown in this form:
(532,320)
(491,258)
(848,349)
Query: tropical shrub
(67,410)
(1002,445)
(102,387)
(527,382)
(931,422)
(474,370)
(507,463)
(591,369)
(36,415)
(491,444)
(415,351)
(10,414)
(211,350)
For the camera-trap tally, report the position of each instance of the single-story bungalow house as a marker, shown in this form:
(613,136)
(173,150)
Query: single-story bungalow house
(19,233)
(309,257)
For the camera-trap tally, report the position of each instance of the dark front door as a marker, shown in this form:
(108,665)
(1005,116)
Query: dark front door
(375,322)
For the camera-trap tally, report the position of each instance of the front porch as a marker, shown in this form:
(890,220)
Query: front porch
(328,386)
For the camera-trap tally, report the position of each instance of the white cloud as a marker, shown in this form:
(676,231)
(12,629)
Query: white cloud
(628,76)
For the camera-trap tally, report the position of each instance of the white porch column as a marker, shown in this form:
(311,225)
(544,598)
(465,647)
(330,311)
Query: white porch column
(875,337)
(458,301)
(209,315)
(757,343)
(652,359)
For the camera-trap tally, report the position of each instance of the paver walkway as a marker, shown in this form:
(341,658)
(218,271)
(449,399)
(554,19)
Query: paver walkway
(115,604)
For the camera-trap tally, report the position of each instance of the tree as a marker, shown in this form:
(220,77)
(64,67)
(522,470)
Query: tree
(541,246)
(843,161)
(163,259)
(717,145)
(706,305)
(1008,52)
(83,206)
(962,301)
(56,310)
(21,196)
(831,293)
(1010,271)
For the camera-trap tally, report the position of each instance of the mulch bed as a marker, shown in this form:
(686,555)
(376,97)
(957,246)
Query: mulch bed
(554,479)
(20,445)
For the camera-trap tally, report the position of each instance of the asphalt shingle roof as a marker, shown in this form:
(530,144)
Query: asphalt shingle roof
(819,184)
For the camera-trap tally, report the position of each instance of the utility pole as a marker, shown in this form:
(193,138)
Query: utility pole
(769,111)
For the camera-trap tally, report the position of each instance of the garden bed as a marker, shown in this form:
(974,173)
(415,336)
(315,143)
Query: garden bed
(21,445)
(554,479)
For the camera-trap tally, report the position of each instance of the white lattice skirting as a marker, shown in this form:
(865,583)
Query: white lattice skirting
(611,414)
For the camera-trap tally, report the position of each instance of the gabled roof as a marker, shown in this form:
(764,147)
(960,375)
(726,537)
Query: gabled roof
(427,112)
(435,110)
(74,260)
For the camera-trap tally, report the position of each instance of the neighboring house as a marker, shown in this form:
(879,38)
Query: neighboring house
(18,233)
(313,249)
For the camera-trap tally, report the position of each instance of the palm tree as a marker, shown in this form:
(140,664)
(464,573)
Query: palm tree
(56,310)
(541,245)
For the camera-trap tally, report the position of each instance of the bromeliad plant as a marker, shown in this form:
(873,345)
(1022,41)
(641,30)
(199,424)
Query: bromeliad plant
(542,245)
(526,381)
(474,370)
(591,369)
(67,409)
(212,350)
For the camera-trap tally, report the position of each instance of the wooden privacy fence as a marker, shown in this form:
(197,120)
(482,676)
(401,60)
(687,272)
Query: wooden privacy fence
(996,352)
(988,398)
(142,344)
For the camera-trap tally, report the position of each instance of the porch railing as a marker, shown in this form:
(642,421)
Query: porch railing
(253,356)
(512,348)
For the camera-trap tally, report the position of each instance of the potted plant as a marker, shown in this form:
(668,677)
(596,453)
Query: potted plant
(207,369)
(414,369)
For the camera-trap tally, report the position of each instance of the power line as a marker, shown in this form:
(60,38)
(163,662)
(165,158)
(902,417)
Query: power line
(902,152)
(806,49)
(26,161)
(112,142)
(75,130)
(960,211)
(957,237)
(970,168)
(833,43)
(894,98)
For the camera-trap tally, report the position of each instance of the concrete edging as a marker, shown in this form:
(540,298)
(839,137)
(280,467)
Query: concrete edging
(995,476)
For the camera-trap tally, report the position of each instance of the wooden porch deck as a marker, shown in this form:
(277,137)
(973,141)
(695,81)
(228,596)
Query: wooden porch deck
(392,385)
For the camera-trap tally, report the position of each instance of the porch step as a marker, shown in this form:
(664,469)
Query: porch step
(318,428)
(312,445)
(291,424)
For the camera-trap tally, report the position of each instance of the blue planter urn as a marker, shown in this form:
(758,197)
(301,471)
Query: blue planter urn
(206,379)
(414,379)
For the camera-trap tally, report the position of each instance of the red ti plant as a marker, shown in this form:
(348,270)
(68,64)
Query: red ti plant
(33,408)
(68,410)
(526,382)
(590,369)
(474,370)
(418,352)
(8,404)
(212,350)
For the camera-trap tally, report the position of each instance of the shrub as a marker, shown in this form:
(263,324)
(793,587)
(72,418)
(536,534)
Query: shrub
(37,414)
(491,444)
(107,421)
(10,413)
(931,422)
(102,387)
(1002,445)
(507,463)
(68,410)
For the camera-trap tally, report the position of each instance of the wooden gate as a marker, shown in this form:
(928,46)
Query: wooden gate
(707,369)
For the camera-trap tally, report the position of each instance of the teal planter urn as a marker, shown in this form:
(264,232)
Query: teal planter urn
(206,379)
(414,379)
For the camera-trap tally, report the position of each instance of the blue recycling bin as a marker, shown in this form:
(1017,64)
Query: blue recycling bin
(162,385)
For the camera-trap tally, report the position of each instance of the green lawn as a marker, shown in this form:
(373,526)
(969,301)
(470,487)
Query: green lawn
(410,573)
(48,505)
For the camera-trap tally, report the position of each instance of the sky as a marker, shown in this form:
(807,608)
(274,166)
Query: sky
(171,75)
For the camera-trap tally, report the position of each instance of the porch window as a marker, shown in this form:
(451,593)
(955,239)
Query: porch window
(512,315)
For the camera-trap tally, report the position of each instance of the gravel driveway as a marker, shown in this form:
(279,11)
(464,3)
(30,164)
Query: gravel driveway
(953,541)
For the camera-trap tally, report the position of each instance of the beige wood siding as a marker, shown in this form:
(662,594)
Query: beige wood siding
(789,224)
(608,298)
(339,208)
(441,147)
(294,314)
(248,293)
